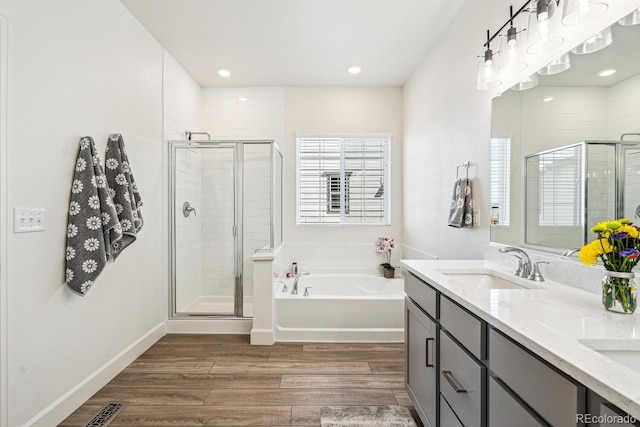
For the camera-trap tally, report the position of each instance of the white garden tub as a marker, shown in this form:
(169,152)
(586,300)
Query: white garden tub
(341,308)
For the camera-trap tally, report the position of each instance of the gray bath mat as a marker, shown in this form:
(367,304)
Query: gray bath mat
(366,416)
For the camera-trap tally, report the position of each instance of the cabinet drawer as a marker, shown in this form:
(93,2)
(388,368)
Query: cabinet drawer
(447,417)
(504,409)
(424,295)
(546,391)
(461,382)
(464,326)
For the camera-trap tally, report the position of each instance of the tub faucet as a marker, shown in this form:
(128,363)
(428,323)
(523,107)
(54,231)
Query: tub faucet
(524,262)
(294,289)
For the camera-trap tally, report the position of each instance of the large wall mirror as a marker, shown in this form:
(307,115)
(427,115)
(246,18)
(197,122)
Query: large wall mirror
(555,147)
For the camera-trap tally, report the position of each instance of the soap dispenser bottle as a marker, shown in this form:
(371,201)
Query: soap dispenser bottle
(294,269)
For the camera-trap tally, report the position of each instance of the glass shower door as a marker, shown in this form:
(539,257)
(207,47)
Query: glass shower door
(204,229)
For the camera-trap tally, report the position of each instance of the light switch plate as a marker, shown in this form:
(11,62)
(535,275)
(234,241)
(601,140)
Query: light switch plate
(28,220)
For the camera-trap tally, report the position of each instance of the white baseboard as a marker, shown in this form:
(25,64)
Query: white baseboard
(209,326)
(74,398)
(262,337)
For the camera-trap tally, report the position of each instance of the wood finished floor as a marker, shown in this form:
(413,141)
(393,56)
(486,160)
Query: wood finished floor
(221,380)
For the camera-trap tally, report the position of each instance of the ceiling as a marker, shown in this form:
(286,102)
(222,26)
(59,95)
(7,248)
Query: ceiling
(620,55)
(296,42)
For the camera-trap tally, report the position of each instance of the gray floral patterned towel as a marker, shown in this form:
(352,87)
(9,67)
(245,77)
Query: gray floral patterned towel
(93,222)
(124,192)
(461,213)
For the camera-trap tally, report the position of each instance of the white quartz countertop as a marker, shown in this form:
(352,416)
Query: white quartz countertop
(559,323)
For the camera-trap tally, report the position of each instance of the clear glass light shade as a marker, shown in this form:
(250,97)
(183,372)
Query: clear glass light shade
(576,12)
(631,19)
(541,36)
(511,53)
(526,83)
(595,43)
(487,77)
(559,65)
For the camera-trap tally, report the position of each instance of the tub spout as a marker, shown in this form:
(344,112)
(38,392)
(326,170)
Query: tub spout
(294,290)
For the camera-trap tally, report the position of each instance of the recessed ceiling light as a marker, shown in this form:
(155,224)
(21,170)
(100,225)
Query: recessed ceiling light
(607,73)
(548,98)
(242,98)
(224,73)
(354,69)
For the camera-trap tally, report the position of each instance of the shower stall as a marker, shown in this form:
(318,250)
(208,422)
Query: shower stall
(225,204)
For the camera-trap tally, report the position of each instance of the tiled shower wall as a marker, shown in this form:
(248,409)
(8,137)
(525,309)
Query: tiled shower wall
(182,108)
(218,218)
(624,117)
(188,229)
(261,116)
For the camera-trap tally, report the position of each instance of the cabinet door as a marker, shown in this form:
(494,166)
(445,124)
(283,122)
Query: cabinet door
(612,417)
(504,409)
(447,416)
(421,364)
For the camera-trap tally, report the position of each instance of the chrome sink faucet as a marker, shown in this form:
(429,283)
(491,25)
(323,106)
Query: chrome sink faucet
(294,288)
(524,262)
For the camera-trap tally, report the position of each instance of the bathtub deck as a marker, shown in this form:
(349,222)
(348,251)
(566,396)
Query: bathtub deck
(221,380)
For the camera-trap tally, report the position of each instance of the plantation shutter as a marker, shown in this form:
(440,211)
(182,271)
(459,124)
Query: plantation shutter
(342,180)
(500,165)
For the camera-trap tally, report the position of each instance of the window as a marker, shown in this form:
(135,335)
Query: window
(343,180)
(499,181)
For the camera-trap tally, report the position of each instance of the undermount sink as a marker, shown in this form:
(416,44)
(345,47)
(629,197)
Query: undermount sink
(488,279)
(624,352)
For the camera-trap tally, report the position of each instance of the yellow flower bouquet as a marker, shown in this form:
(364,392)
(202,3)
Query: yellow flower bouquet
(618,247)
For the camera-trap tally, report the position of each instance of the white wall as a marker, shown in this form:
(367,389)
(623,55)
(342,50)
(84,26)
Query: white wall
(446,122)
(77,67)
(342,110)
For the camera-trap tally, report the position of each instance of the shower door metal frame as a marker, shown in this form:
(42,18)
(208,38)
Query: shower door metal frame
(237,229)
(238,170)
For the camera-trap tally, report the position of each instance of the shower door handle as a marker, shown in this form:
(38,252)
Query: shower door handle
(187,209)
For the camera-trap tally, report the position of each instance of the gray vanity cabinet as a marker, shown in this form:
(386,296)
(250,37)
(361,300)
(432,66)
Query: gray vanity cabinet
(504,409)
(607,414)
(541,388)
(421,371)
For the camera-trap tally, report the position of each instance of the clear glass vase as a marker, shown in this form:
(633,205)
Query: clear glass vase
(619,292)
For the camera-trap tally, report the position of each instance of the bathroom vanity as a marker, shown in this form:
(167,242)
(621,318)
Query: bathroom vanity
(485,348)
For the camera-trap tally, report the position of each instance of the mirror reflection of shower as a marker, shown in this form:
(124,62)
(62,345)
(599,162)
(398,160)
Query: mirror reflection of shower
(233,190)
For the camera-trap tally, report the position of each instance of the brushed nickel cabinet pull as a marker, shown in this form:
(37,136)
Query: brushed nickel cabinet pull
(452,380)
(426,344)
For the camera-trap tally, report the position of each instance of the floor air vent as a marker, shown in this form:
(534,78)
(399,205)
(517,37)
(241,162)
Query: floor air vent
(106,415)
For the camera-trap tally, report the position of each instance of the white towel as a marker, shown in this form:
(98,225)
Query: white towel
(124,192)
(461,212)
(93,224)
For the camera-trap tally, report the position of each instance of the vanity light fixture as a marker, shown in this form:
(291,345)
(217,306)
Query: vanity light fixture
(595,43)
(512,50)
(631,19)
(541,36)
(242,98)
(354,69)
(224,73)
(487,77)
(578,11)
(559,65)
(607,73)
(528,82)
